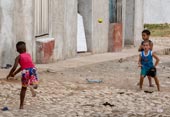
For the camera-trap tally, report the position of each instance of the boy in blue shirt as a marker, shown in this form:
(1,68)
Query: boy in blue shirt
(146,64)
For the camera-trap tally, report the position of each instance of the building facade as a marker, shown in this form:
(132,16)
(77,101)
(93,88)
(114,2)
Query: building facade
(33,20)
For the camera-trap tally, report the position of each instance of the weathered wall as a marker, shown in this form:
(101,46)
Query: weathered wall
(7,36)
(57,26)
(134,22)
(24,23)
(156,11)
(123,21)
(129,22)
(16,24)
(64,27)
(138,22)
(70,48)
(100,9)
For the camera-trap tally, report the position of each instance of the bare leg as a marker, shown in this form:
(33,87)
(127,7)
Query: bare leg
(157,83)
(22,96)
(141,82)
(150,81)
(32,91)
(35,86)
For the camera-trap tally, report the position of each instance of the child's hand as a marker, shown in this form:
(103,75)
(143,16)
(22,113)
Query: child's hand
(9,76)
(140,48)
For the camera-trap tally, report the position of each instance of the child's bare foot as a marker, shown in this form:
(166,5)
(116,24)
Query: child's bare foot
(33,94)
(32,91)
(21,107)
(35,86)
(138,84)
(151,85)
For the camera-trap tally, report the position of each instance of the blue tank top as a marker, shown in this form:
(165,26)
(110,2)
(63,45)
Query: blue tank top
(147,60)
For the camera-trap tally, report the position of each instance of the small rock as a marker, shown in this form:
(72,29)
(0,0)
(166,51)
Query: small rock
(159,110)
(120,60)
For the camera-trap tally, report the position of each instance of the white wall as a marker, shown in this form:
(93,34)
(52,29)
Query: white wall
(156,11)
(64,28)
(138,24)
(16,23)
(100,31)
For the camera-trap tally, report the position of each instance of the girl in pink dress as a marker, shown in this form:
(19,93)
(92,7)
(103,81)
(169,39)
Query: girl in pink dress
(27,67)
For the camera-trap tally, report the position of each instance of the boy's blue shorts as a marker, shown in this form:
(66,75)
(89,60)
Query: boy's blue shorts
(144,72)
(148,72)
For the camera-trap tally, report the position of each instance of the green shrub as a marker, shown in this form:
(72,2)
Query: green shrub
(159,30)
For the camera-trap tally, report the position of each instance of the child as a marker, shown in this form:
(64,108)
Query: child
(29,76)
(145,36)
(146,64)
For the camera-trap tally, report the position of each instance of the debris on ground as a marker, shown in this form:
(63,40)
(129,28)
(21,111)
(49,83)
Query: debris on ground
(94,81)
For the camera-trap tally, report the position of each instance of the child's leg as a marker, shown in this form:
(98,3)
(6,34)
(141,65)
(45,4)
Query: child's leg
(32,91)
(22,96)
(141,81)
(157,83)
(150,81)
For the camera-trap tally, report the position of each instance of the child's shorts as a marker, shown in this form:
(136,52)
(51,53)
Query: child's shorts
(29,77)
(152,72)
(148,72)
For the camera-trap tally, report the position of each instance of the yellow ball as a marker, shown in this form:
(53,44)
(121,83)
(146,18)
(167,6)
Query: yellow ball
(100,20)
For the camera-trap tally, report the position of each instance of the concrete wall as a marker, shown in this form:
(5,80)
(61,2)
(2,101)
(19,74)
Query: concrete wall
(70,48)
(100,9)
(156,11)
(64,27)
(123,21)
(16,24)
(7,36)
(134,22)
(129,22)
(139,21)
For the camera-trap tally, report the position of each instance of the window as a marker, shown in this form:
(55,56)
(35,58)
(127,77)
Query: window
(115,11)
(41,18)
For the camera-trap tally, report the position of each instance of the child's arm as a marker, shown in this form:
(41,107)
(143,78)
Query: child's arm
(151,46)
(140,48)
(139,61)
(16,72)
(14,67)
(156,58)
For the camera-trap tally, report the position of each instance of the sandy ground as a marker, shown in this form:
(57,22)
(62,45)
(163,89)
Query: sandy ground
(66,93)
